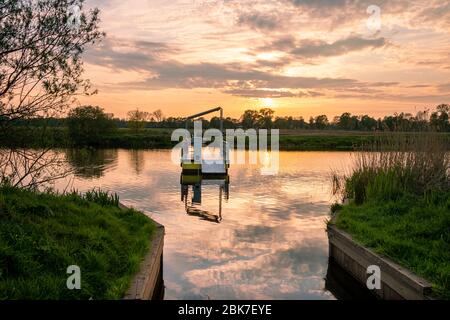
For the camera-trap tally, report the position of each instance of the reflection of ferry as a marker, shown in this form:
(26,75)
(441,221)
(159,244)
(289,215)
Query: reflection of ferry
(192,205)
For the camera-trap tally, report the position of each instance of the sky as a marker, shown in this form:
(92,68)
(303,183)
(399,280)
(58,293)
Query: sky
(298,57)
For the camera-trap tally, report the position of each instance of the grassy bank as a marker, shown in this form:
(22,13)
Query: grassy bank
(401,206)
(58,137)
(333,141)
(42,234)
(291,140)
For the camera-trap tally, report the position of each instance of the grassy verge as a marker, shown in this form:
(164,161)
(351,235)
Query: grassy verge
(42,234)
(412,231)
(401,206)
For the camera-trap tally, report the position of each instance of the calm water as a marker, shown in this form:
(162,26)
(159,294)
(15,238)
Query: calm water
(269,242)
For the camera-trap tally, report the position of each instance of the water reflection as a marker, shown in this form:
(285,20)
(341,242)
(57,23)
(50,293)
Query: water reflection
(193,206)
(137,160)
(343,285)
(271,241)
(90,163)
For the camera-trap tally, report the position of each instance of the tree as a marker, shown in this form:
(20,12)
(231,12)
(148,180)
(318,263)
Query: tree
(159,116)
(439,120)
(344,122)
(88,125)
(137,119)
(368,123)
(266,118)
(321,122)
(40,75)
(214,123)
(250,119)
(40,56)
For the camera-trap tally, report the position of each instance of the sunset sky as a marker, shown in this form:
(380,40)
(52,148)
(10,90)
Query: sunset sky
(299,57)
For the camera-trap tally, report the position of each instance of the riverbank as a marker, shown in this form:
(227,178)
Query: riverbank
(42,234)
(400,207)
(290,140)
(413,232)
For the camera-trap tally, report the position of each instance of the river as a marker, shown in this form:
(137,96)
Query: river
(260,237)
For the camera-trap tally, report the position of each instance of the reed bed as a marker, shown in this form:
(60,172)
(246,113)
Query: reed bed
(414,164)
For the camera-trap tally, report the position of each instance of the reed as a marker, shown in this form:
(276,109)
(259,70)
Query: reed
(102,198)
(407,164)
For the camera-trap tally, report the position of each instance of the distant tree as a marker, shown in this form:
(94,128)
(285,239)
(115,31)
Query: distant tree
(283,123)
(230,123)
(214,123)
(300,123)
(158,115)
(321,122)
(266,118)
(367,123)
(344,121)
(290,123)
(137,119)
(439,120)
(88,125)
(250,119)
(389,123)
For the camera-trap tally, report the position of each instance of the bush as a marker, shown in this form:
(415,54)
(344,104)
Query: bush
(88,125)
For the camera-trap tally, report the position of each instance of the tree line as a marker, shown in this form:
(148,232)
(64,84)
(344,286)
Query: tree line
(81,118)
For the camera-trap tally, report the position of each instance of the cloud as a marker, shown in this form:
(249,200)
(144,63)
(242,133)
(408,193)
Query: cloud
(318,48)
(437,13)
(426,98)
(445,87)
(261,93)
(260,21)
(320,3)
(121,54)
(207,75)
(258,48)
(307,50)
(161,71)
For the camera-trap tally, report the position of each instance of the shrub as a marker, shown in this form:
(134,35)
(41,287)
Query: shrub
(88,125)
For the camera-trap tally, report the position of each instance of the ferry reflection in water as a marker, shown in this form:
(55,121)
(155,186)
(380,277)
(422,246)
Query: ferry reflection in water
(192,204)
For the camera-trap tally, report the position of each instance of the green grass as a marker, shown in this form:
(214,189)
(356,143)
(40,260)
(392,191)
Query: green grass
(414,232)
(59,138)
(400,205)
(330,141)
(42,234)
(290,140)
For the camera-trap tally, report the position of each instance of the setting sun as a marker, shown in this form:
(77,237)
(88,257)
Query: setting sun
(267,102)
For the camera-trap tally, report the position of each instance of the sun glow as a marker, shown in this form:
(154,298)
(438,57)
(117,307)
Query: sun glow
(267,102)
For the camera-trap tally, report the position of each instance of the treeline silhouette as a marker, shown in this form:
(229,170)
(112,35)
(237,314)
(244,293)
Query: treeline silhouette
(436,120)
